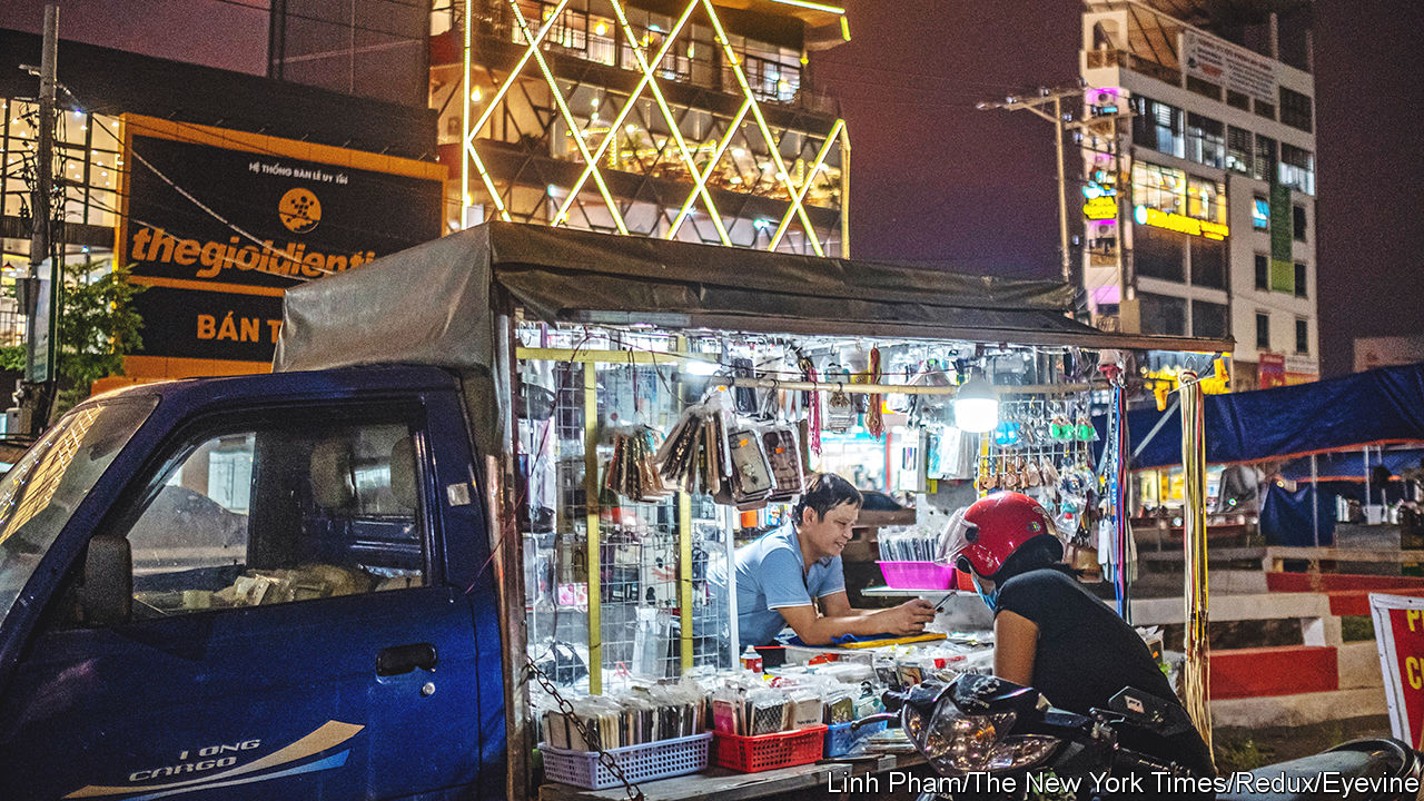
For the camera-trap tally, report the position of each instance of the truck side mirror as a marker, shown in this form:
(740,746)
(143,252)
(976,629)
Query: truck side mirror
(107,593)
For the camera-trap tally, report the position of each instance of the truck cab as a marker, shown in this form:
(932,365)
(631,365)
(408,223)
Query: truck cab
(271,586)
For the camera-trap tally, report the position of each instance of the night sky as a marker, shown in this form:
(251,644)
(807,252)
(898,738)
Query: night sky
(936,182)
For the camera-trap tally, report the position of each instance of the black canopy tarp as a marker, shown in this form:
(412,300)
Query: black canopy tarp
(429,304)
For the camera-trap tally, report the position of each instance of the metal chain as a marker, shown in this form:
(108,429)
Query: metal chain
(567,710)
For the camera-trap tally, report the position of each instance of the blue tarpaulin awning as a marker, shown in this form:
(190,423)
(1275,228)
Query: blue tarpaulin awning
(1378,407)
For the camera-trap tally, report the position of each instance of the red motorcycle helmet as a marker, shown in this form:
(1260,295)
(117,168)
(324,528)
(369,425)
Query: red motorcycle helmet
(993,529)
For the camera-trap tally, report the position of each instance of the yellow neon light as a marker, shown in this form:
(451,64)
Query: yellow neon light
(699,188)
(569,119)
(712,165)
(816,165)
(771,142)
(562,214)
(845,29)
(812,6)
(470,132)
(1181,223)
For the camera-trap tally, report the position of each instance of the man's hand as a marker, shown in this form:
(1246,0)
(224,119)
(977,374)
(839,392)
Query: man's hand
(908,618)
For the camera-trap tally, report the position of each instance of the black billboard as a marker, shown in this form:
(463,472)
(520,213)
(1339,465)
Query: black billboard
(217,233)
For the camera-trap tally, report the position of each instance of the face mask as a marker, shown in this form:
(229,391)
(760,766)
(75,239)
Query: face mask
(991,598)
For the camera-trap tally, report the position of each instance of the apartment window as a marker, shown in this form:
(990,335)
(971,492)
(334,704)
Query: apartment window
(1158,126)
(1300,281)
(1265,163)
(1204,88)
(1238,150)
(1298,223)
(1264,109)
(1302,335)
(1209,319)
(1296,110)
(1263,331)
(1297,169)
(1260,213)
(1157,253)
(1263,272)
(1208,262)
(1206,140)
(1238,100)
(1163,315)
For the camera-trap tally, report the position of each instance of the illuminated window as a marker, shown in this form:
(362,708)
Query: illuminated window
(1297,169)
(1260,213)
(1238,150)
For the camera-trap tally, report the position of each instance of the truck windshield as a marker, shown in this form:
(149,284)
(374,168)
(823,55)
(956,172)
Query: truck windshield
(42,491)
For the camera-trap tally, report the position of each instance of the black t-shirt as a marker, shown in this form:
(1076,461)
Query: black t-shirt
(1086,654)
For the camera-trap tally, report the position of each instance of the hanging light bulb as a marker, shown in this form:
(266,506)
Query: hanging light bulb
(976,405)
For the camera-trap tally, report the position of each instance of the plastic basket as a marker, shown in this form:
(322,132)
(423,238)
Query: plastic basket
(841,738)
(644,762)
(918,575)
(768,751)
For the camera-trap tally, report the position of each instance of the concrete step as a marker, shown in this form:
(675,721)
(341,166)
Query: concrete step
(1360,666)
(1303,709)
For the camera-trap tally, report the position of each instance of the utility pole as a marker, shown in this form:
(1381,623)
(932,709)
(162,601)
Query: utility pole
(1054,98)
(36,389)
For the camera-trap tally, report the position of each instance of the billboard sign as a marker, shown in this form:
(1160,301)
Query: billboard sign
(1226,64)
(1399,634)
(217,224)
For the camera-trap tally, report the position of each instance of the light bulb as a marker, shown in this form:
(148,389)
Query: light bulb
(976,406)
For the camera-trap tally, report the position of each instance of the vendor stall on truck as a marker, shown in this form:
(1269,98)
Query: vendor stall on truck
(488,506)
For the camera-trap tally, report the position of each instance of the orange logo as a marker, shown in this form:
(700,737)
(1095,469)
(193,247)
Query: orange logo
(300,210)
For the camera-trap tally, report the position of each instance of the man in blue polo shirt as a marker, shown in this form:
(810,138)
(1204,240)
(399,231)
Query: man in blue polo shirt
(786,574)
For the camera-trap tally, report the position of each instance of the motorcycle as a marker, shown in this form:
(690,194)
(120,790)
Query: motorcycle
(987,738)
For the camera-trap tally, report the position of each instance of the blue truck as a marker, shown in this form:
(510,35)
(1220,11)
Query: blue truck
(295,586)
(258,587)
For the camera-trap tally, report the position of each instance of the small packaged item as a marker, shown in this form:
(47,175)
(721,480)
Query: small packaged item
(806,708)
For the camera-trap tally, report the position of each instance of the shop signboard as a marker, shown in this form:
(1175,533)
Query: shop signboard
(217,224)
(1225,64)
(1271,370)
(1399,629)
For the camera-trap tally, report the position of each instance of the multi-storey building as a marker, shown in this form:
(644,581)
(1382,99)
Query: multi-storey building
(684,119)
(1199,168)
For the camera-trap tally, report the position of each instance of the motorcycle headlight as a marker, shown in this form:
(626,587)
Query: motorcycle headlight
(958,744)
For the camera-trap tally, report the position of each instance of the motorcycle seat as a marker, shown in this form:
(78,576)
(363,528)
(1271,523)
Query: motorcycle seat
(1302,779)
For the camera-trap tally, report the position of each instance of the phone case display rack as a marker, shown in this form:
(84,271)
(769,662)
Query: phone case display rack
(625,577)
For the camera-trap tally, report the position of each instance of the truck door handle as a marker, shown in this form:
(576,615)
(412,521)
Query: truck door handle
(400,659)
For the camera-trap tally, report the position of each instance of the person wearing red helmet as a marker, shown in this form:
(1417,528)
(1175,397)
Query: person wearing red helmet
(1049,631)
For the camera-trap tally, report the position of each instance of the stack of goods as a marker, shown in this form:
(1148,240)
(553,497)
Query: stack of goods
(738,465)
(760,727)
(632,472)
(908,560)
(651,732)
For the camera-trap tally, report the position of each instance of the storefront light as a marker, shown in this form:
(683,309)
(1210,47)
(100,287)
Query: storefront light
(976,405)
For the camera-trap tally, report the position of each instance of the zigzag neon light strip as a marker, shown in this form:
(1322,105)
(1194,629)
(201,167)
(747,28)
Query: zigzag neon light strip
(648,83)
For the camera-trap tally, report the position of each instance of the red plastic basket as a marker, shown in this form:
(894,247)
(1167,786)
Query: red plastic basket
(768,751)
(918,575)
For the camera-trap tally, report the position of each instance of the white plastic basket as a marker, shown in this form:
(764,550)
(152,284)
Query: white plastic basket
(644,762)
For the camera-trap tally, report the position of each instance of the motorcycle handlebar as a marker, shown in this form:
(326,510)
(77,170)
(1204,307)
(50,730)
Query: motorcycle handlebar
(893,700)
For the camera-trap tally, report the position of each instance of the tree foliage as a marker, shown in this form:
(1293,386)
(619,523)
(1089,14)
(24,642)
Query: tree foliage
(97,328)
